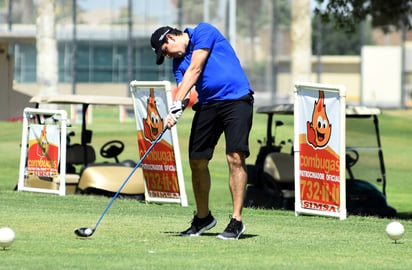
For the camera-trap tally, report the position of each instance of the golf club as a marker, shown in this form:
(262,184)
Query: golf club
(85,231)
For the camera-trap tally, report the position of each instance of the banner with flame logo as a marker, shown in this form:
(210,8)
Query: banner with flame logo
(161,168)
(43,151)
(320,140)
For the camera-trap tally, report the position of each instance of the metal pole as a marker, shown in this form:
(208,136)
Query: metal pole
(74,47)
(180,14)
(227,33)
(318,47)
(10,15)
(273,41)
(403,67)
(206,13)
(10,24)
(361,41)
(129,45)
(232,23)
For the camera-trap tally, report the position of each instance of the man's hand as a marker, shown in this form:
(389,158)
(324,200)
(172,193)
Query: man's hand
(169,121)
(175,112)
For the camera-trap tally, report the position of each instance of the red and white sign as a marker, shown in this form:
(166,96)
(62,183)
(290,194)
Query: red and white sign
(43,151)
(162,167)
(320,150)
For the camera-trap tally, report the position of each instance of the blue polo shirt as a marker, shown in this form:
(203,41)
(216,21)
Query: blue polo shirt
(223,77)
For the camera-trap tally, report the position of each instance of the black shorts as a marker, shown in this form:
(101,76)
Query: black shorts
(233,118)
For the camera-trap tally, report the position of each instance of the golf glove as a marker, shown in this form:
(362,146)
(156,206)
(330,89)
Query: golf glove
(176,110)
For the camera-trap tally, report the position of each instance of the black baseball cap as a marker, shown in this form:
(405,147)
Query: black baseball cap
(157,40)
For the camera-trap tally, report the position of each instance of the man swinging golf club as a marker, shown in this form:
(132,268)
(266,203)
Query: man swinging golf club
(202,57)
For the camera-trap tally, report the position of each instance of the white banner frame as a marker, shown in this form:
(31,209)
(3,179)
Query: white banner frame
(166,85)
(314,208)
(28,113)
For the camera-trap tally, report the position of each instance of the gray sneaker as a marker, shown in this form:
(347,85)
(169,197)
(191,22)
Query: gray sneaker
(233,231)
(200,225)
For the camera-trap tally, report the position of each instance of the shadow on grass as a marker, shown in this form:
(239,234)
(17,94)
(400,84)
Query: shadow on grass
(209,234)
(404,215)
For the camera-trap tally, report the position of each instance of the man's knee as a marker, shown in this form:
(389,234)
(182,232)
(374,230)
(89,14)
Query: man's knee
(236,159)
(198,164)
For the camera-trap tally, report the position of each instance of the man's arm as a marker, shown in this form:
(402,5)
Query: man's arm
(190,77)
(193,72)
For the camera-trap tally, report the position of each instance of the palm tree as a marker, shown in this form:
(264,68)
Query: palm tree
(47,65)
(300,41)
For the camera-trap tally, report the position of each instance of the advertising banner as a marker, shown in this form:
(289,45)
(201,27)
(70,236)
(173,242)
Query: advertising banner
(320,150)
(162,168)
(43,151)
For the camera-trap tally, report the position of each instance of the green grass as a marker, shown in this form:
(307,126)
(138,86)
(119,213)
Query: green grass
(135,235)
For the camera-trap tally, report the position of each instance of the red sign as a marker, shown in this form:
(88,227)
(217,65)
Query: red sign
(319,178)
(320,125)
(43,151)
(159,169)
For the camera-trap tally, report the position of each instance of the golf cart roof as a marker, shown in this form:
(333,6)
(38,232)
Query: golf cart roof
(82,99)
(351,111)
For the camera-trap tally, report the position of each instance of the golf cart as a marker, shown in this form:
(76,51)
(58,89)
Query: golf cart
(83,174)
(271,178)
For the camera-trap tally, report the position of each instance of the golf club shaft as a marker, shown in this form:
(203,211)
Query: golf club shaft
(130,175)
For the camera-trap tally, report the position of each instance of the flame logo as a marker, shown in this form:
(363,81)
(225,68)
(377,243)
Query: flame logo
(43,142)
(153,123)
(320,129)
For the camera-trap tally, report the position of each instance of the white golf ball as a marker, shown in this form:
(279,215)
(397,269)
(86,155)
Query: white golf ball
(6,237)
(88,231)
(395,230)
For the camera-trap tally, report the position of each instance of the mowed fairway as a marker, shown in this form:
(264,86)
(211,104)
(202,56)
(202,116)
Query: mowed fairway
(135,235)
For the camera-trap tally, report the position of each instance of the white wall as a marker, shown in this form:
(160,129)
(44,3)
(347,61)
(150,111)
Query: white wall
(381,76)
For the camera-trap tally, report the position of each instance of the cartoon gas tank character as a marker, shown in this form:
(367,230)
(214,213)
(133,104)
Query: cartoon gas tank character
(320,129)
(153,123)
(43,142)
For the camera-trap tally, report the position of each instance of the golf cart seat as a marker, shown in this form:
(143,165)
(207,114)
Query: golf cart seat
(75,154)
(280,166)
(107,178)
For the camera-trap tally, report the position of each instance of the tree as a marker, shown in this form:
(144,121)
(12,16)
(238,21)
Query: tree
(27,15)
(250,19)
(192,10)
(337,41)
(21,11)
(300,35)
(384,14)
(47,74)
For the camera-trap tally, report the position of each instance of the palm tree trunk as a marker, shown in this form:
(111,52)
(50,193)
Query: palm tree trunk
(301,41)
(47,61)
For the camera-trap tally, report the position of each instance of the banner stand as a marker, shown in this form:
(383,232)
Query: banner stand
(162,169)
(43,150)
(319,149)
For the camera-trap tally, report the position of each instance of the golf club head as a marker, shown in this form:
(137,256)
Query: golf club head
(84,232)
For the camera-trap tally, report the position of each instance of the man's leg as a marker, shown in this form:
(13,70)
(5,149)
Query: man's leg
(237,182)
(201,185)
(203,219)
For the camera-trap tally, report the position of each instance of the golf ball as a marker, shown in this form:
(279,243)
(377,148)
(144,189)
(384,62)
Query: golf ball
(395,230)
(88,231)
(6,237)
